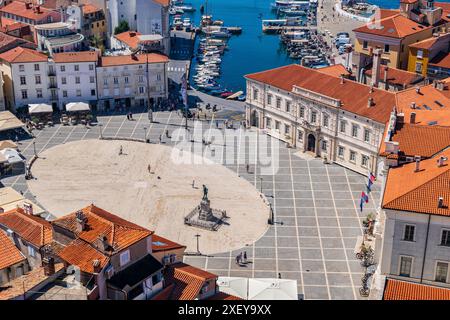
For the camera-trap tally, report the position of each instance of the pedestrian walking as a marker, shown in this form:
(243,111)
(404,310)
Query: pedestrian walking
(120,151)
(149,168)
(193,184)
(217,124)
(160,138)
(167,134)
(279,275)
(247,167)
(237,259)
(245,257)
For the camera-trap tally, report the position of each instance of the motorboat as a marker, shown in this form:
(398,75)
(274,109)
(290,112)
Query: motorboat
(187,23)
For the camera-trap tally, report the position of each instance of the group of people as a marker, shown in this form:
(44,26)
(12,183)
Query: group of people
(241,258)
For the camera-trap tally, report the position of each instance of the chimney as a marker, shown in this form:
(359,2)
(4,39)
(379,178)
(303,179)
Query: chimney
(400,118)
(97,266)
(132,34)
(418,90)
(417,159)
(441,161)
(102,243)
(440,85)
(386,85)
(413,105)
(412,118)
(342,79)
(440,202)
(48,263)
(81,221)
(370,103)
(371,89)
(376,67)
(28,5)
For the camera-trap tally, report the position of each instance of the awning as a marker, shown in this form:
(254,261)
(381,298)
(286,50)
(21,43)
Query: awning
(136,273)
(12,156)
(272,289)
(77,107)
(7,144)
(235,286)
(9,121)
(39,108)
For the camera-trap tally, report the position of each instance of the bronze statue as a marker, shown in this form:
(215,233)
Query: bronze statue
(205,193)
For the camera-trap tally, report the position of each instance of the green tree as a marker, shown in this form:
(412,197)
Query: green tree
(122,27)
(97,42)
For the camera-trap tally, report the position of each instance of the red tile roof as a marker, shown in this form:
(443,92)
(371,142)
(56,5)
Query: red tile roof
(110,61)
(119,233)
(90,8)
(23,55)
(354,96)
(19,8)
(395,26)
(8,42)
(164,3)
(81,56)
(9,254)
(30,228)
(129,38)
(407,190)
(424,141)
(30,281)
(404,290)
(162,244)
(186,281)
(397,76)
(437,101)
(442,60)
(429,43)
(336,70)
(82,254)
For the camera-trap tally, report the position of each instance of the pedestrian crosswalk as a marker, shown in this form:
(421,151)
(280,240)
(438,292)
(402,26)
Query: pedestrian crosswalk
(176,69)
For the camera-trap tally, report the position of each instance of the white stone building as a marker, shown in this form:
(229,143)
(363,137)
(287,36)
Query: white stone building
(76,77)
(320,113)
(123,82)
(413,236)
(25,76)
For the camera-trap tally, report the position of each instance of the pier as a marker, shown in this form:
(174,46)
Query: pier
(279,29)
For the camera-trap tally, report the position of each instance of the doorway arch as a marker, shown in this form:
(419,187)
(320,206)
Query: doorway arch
(311,143)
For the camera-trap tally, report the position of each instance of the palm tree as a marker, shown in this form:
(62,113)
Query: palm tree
(97,42)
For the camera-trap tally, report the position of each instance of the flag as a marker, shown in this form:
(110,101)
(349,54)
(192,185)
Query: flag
(370,182)
(364,197)
(184,89)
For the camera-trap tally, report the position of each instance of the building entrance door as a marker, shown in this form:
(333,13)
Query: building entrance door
(311,143)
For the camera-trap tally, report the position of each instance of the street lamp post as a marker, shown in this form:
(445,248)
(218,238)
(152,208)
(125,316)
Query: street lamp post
(271,214)
(101,131)
(260,186)
(145,134)
(34,148)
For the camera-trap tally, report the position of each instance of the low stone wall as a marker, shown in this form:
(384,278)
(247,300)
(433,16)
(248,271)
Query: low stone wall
(342,12)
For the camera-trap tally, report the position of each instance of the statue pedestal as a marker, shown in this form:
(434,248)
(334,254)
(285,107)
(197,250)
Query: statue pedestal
(205,211)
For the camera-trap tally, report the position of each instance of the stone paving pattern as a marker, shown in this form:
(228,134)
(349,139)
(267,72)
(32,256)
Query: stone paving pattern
(317,204)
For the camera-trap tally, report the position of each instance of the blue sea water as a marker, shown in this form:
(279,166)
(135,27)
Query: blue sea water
(252,51)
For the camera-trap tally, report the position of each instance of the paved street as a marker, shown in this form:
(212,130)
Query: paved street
(318,205)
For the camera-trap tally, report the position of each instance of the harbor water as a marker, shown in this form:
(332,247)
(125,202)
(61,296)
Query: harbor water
(251,51)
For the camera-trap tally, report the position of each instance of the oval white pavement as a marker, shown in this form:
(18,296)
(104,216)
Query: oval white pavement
(76,174)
